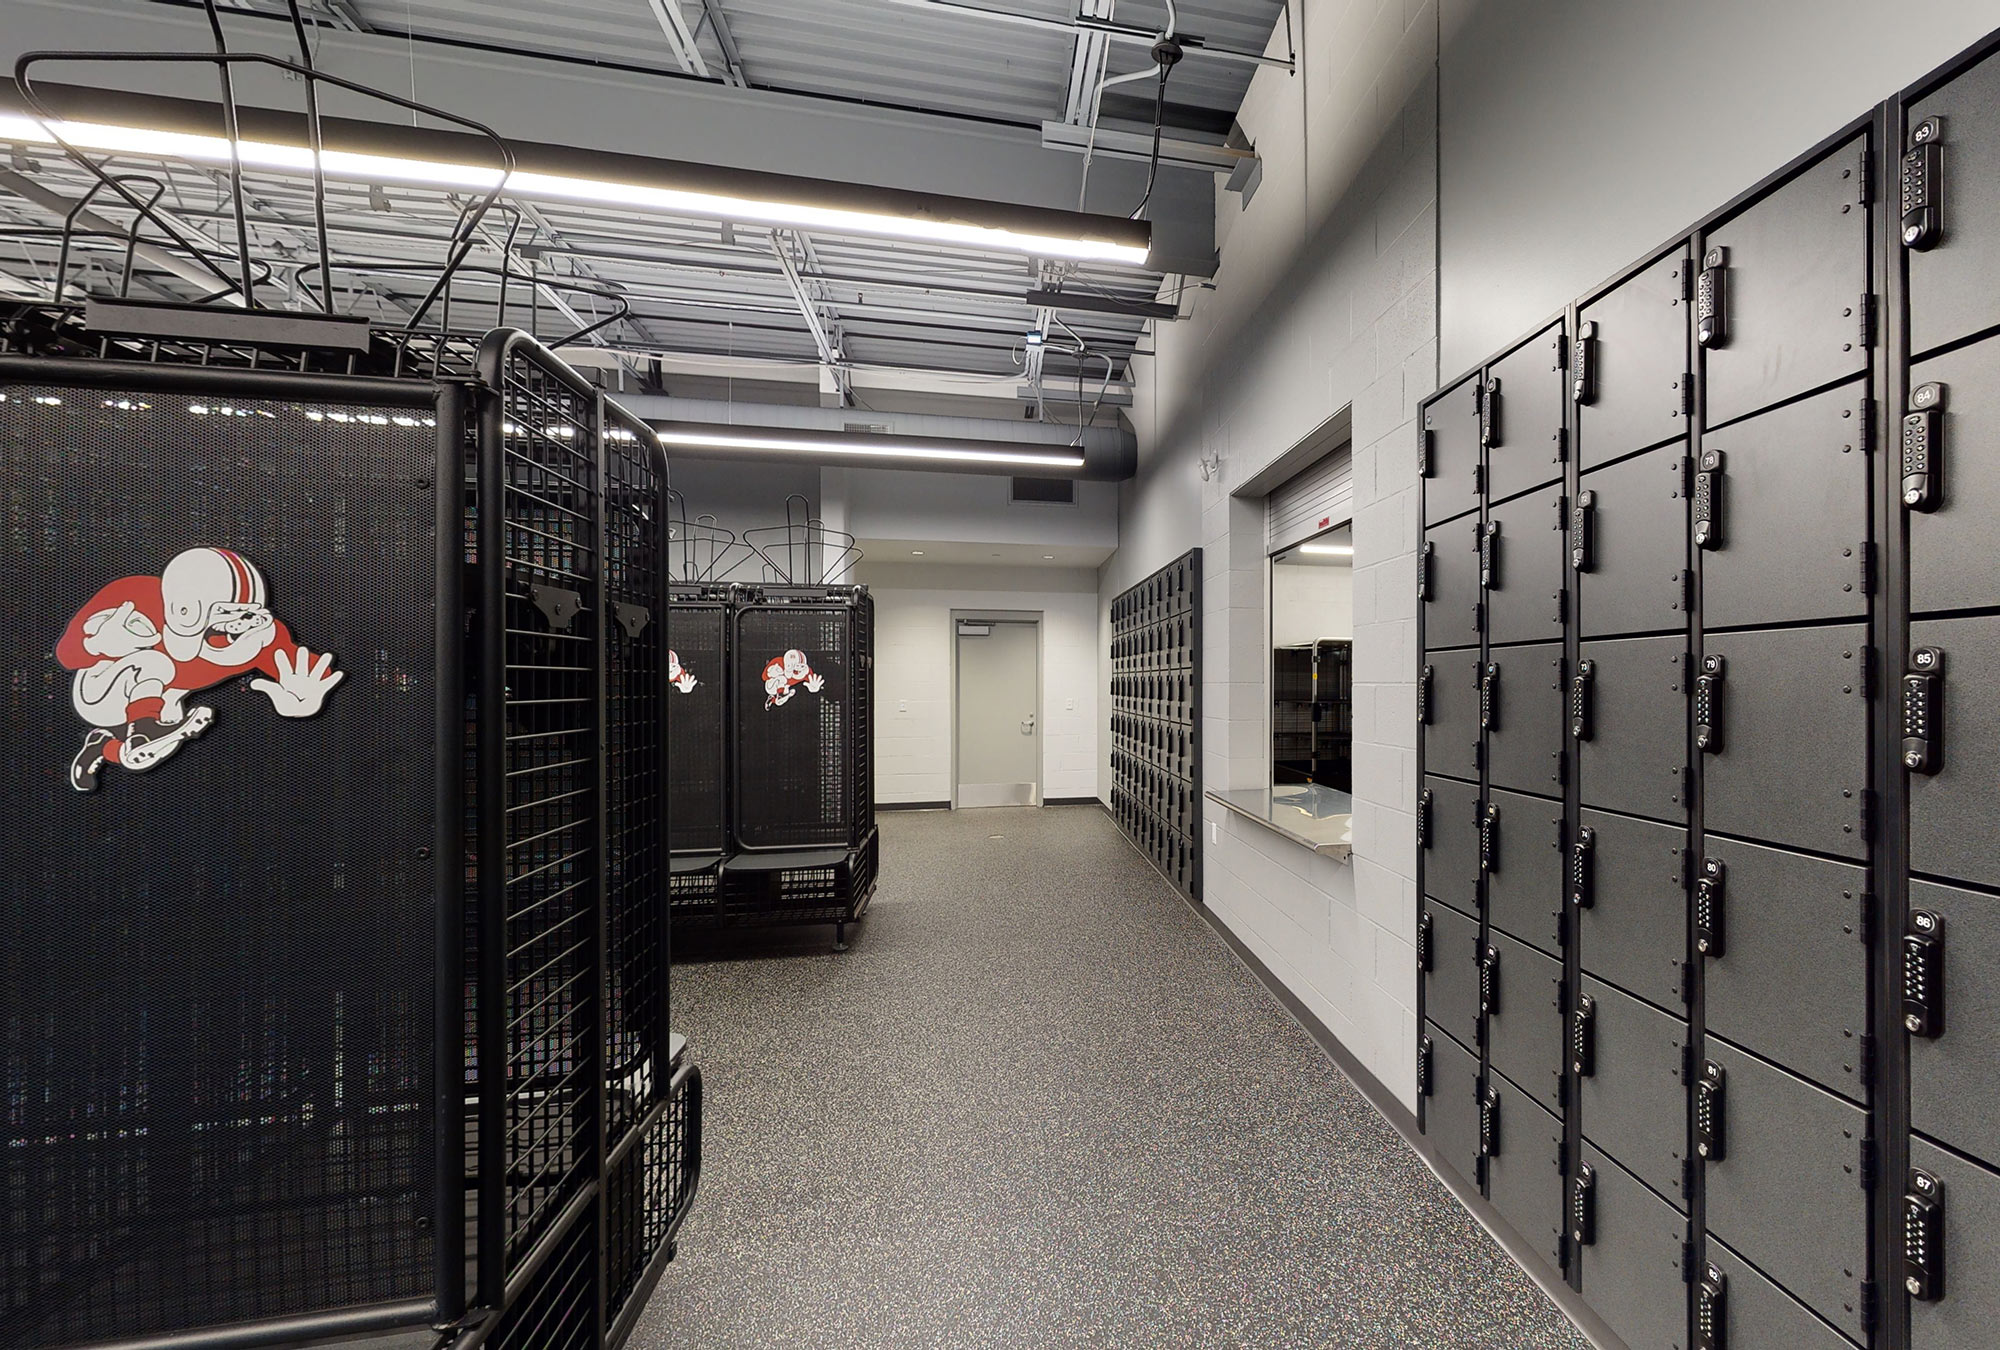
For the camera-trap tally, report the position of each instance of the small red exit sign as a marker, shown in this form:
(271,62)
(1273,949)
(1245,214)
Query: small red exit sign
(1325,521)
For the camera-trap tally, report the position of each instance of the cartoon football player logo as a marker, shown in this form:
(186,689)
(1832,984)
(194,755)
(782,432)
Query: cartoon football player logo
(783,676)
(142,645)
(679,676)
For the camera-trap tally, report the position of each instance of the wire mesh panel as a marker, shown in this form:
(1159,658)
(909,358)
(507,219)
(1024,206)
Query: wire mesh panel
(796,723)
(221,795)
(558,1309)
(699,683)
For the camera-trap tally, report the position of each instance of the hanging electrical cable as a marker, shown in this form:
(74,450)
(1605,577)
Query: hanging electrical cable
(1166,55)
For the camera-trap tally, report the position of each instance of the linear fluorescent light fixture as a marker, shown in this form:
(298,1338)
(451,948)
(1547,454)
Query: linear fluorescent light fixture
(150,143)
(767,441)
(1328,550)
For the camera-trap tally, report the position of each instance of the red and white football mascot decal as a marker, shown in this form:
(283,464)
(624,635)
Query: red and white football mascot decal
(679,676)
(143,644)
(783,675)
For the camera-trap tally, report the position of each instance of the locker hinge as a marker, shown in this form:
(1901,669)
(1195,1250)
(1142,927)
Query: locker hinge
(1687,1262)
(1867,813)
(1687,1178)
(1686,603)
(1864,1068)
(1687,1064)
(1562,768)
(1478,479)
(1921,190)
(1562,930)
(1687,393)
(1561,353)
(1478,616)
(1867,415)
(1864,926)
(1562,511)
(1871,1306)
(1562,604)
(1562,445)
(1686,274)
(1866,1170)
(1867,321)
(1861,191)
(1687,984)
(1479,755)
(1866,554)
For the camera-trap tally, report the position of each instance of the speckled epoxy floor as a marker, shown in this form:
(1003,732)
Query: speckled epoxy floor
(1040,1104)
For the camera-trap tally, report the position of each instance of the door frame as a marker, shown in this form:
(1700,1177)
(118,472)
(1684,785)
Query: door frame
(1034,617)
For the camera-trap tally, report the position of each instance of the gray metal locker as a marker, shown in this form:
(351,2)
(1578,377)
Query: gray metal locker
(1524,867)
(1525,549)
(1524,1168)
(1524,1022)
(1633,929)
(1633,347)
(1524,736)
(1952,955)
(1452,456)
(1787,514)
(1951,538)
(1951,275)
(1448,572)
(1630,696)
(1967,1309)
(1631,1243)
(1789,283)
(1628,537)
(1784,1179)
(1451,981)
(1955,810)
(1449,696)
(1628,1057)
(1524,396)
(1450,826)
(1788,752)
(1451,1108)
(1751,1313)
(1786,968)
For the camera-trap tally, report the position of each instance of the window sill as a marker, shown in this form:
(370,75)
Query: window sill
(1317,817)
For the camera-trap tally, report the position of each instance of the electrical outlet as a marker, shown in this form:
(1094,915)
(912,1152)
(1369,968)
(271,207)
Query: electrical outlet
(1214,831)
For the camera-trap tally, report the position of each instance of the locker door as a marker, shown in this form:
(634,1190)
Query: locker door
(1755,1314)
(1954,1093)
(1951,281)
(1965,1316)
(1524,743)
(1452,455)
(1451,985)
(1787,972)
(1524,602)
(1525,408)
(1789,514)
(1524,1030)
(1449,566)
(1634,930)
(1951,546)
(1631,1255)
(1524,1170)
(1451,1111)
(1955,812)
(1786,1191)
(1635,743)
(1633,1102)
(1525,874)
(1793,275)
(1793,756)
(1451,853)
(1451,708)
(1634,345)
(1628,533)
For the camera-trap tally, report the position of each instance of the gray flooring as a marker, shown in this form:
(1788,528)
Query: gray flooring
(1039,1103)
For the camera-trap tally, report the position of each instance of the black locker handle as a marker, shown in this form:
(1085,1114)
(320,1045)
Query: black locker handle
(1583,1037)
(1923,447)
(1489,697)
(1583,364)
(1489,980)
(1489,838)
(1709,890)
(1424,942)
(1708,704)
(1424,819)
(1424,570)
(1711,325)
(1423,1066)
(1489,1122)
(1923,974)
(1923,710)
(1923,1237)
(1923,170)
(1582,519)
(1487,538)
(1583,868)
(1708,500)
(1711,1322)
(1709,1133)
(1583,1205)
(1423,698)
(1580,700)
(1424,450)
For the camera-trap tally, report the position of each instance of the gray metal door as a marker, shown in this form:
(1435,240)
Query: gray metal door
(1524,1169)
(1756,1314)
(1452,454)
(1787,971)
(1450,695)
(1451,984)
(1633,931)
(1954,1093)
(1951,544)
(1524,1024)
(1964,1318)
(1634,750)
(1786,1190)
(1525,547)
(1790,761)
(1628,536)
(1630,1092)
(999,745)
(1955,812)
(1525,412)
(1451,842)
(1524,877)
(1631,1255)
(1794,275)
(1634,345)
(1951,281)
(1788,514)
(1451,1111)
(1449,566)
(1524,736)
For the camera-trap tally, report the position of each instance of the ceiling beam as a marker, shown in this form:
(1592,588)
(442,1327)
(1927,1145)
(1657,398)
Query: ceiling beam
(1128,34)
(680,38)
(727,41)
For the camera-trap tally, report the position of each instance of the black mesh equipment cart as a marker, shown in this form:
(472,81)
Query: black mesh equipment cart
(699,787)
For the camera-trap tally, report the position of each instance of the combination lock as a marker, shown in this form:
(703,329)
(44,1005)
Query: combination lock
(1583,1206)
(1486,538)
(1708,1124)
(1489,1122)
(1923,709)
(1424,698)
(1423,1066)
(1583,1037)
(1579,700)
(1424,819)
(1582,867)
(1489,838)
(1583,366)
(1923,975)
(1489,697)
(1489,413)
(1711,1295)
(1708,894)
(1923,447)
(1708,500)
(1424,570)
(1489,981)
(1923,220)
(1710,322)
(1923,1237)
(1580,517)
(1708,704)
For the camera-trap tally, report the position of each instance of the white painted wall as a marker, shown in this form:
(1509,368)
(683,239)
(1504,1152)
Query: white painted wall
(974,509)
(913,671)
(1309,603)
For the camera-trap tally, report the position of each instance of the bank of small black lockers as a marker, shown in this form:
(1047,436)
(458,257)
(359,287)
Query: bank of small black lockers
(1156,718)
(1709,821)
(261,914)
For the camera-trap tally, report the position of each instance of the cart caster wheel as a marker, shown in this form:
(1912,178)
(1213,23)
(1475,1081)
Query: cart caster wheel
(673,1250)
(840,937)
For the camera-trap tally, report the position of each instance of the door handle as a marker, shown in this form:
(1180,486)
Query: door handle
(1028,727)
